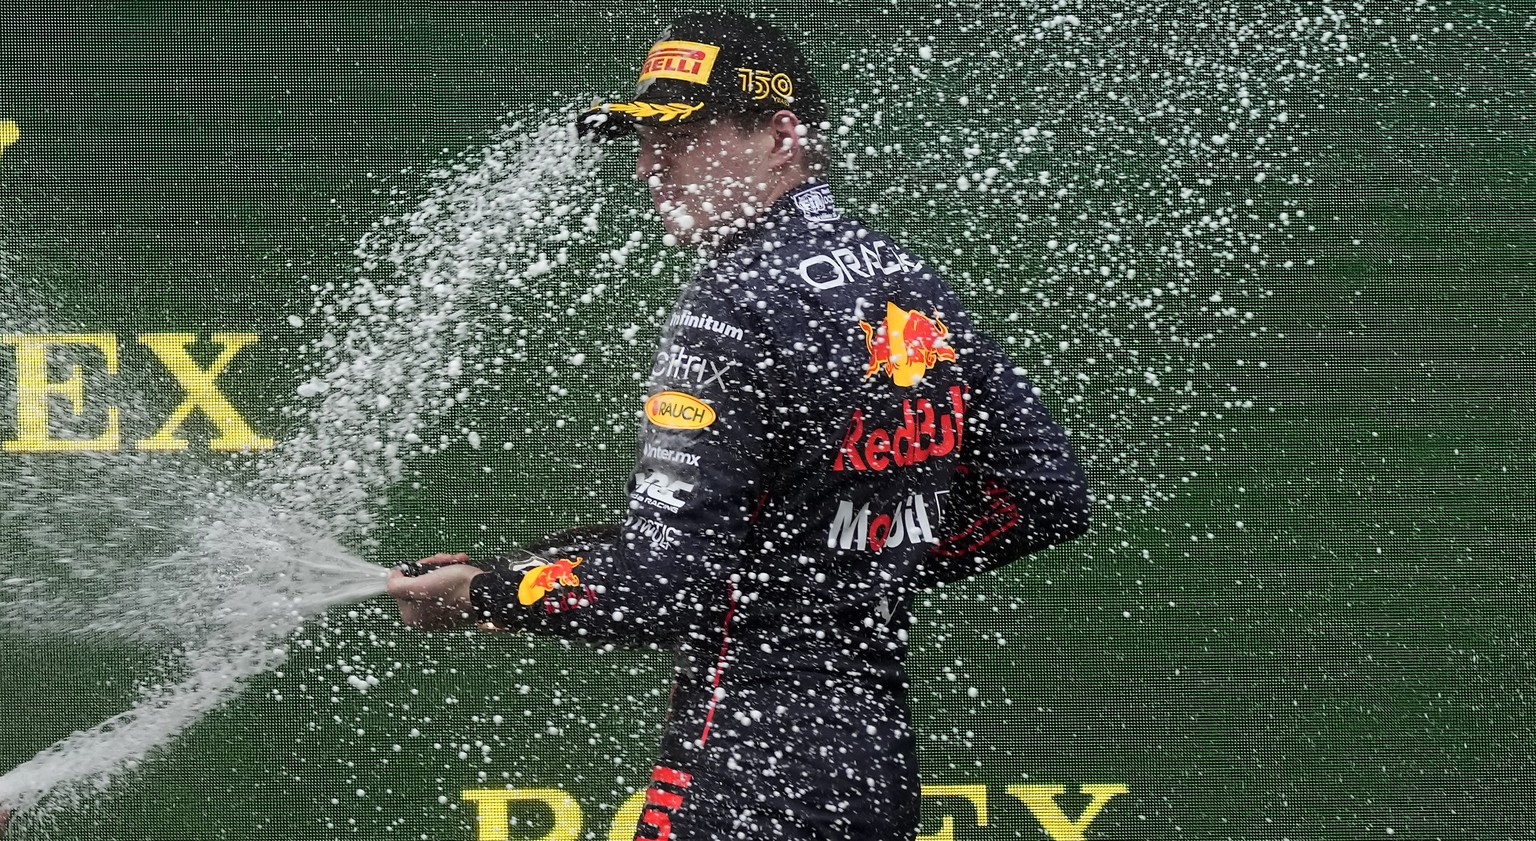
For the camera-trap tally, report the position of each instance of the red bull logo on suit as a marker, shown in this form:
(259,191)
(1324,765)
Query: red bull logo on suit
(541,579)
(906,345)
(923,434)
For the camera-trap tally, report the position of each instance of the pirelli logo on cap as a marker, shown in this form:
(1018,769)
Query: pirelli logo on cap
(689,61)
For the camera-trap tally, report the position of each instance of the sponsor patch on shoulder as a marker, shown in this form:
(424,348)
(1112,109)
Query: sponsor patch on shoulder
(541,579)
(676,410)
(816,205)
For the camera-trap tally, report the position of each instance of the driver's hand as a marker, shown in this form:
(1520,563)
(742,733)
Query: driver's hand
(438,599)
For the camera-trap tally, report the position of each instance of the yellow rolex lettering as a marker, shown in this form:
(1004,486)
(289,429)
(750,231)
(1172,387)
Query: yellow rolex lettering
(34,390)
(492,813)
(976,793)
(1041,801)
(9,133)
(627,818)
(202,394)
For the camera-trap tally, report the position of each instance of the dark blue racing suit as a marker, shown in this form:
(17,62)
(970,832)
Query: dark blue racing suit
(824,435)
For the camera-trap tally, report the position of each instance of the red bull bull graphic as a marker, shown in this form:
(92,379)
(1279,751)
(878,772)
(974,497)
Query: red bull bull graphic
(541,579)
(907,344)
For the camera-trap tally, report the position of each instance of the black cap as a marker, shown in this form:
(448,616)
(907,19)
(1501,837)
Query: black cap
(712,63)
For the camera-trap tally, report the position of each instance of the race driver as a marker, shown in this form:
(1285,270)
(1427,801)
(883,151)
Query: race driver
(824,434)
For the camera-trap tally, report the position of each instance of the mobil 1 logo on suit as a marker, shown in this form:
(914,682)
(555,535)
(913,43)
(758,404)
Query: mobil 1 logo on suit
(874,526)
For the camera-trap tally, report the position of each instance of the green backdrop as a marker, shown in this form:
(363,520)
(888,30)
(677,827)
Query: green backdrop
(1304,610)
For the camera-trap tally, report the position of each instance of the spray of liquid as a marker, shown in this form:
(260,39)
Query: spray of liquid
(220,564)
(1117,285)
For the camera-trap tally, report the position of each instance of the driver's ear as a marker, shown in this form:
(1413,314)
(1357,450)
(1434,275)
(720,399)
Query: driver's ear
(786,138)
